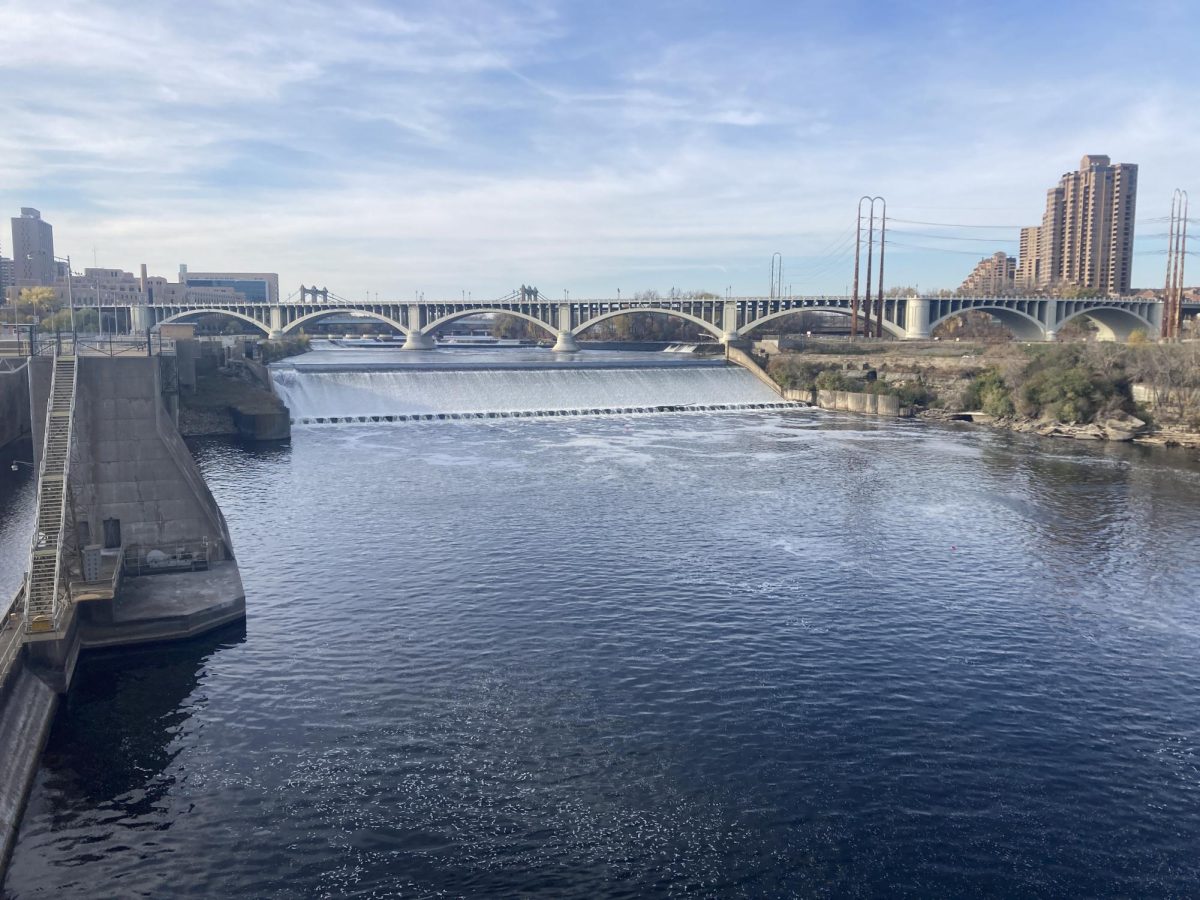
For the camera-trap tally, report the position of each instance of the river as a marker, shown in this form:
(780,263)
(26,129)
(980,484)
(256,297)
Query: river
(746,653)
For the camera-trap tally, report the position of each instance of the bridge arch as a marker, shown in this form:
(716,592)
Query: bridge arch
(295,324)
(1115,324)
(889,327)
(1023,326)
(430,327)
(188,313)
(678,314)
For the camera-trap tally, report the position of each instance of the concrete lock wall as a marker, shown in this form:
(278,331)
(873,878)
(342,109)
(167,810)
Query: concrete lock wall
(868,404)
(129,462)
(14,407)
(27,706)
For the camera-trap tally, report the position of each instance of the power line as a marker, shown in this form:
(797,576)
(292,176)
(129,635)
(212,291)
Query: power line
(935,249)
(950,237)
(951,224)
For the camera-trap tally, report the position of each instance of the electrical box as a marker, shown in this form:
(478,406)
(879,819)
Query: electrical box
(92,567)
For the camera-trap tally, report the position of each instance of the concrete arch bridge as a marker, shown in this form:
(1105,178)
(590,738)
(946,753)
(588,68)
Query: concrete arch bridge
(727,319)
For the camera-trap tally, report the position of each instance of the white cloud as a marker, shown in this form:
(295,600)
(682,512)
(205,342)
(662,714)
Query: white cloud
(476,146)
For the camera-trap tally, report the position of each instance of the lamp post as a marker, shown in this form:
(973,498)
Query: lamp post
(71,301)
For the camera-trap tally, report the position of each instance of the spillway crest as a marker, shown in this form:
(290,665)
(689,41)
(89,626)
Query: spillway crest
(324,395)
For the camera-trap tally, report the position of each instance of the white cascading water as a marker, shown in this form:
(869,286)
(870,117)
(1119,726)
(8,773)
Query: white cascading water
(350,395)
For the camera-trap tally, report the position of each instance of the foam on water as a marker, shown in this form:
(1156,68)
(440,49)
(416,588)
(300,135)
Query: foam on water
(340,396)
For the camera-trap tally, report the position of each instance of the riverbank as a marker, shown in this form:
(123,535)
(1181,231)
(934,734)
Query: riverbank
(233,401)
(1149,394)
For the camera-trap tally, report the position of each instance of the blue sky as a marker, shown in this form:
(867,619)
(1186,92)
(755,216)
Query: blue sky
(445,147)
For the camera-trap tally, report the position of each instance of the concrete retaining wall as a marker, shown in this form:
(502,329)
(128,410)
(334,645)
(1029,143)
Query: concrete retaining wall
(256,426)
(14,407)
(867,404)
(129,461)
(746,361)
(27,706)
(131,455)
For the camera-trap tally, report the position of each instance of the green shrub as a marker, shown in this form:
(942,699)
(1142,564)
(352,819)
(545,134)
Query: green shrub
(989,393)
(834,380)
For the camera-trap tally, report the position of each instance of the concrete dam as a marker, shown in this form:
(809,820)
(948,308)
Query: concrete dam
(126,545)
(348,386)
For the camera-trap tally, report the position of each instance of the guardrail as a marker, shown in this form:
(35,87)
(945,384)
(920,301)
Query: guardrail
(96,345)
(16,345)
(184,556)
(12,633)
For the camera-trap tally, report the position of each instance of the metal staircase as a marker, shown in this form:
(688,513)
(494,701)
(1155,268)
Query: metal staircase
(43,605)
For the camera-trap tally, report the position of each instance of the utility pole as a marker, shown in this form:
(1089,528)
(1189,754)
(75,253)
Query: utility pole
(1176,256)
(857,247)
(866,306)
(882,248)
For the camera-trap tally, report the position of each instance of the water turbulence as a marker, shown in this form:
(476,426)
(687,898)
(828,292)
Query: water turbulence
(321,394)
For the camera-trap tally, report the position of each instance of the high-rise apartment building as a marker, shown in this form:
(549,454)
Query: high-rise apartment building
(33,250)
(993,276)
(1086,236)
(1028,260)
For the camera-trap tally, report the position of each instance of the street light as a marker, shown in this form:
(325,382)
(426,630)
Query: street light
(71,299)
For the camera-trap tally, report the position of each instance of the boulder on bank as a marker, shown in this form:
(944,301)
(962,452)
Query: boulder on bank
(1122,427)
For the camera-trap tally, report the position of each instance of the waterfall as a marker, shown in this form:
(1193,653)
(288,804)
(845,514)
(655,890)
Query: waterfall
(321,394)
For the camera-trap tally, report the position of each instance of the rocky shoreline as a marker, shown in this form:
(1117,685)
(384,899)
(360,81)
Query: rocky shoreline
(1121,428)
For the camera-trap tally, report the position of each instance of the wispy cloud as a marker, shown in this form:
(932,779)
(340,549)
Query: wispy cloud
(441,147)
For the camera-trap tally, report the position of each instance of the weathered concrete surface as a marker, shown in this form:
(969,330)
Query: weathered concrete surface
(14,407)
(867,404)
(746,361)
(27,706)
(262,426)
(130,463)
(169,606)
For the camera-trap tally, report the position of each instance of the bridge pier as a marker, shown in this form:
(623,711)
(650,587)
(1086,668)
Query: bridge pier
(140,318)
(566,343)
(916,319)
(418,340)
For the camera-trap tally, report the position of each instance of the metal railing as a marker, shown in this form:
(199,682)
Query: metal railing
(43,609)
(12,633)
(95,345)
(183,556)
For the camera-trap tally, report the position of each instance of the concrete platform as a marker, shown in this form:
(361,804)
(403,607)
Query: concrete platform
(170,606)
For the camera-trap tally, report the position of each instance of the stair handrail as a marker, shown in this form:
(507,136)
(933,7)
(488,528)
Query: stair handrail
(62,518)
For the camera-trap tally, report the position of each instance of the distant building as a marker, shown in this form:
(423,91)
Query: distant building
(993,276)
(6,276)
(1028,259)
(33,250)
(257,287)
(1086,236)
(116,287)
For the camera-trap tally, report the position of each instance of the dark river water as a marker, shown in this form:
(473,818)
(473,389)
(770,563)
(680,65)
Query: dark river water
(750,654)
